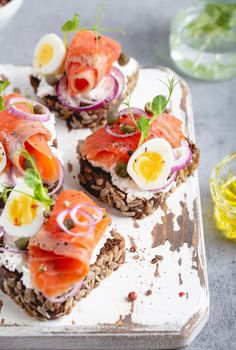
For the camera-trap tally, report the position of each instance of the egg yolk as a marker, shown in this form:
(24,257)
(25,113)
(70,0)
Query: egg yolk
(44,54)
(22,210)
(149,166)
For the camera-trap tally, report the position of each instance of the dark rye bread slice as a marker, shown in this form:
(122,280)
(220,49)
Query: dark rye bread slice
(111,256)
(84,119)
(98,182)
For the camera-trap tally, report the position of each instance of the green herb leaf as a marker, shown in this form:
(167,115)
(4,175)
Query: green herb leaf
(144,126)
(2,104)
(71,25)
(34,181)
(31,178)
(159,104)
(3,85)
(156,107)
(41,194)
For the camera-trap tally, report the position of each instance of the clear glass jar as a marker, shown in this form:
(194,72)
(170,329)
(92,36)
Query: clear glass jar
(203,40)
(223,191)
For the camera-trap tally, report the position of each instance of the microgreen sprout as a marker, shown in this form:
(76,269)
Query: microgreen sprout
(157,106)
(74,25)
(33,180)
(3,86)
(70,26)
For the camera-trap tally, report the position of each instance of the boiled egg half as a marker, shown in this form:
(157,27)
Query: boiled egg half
(3,158)
(150,165)
(22,215)
(49,55)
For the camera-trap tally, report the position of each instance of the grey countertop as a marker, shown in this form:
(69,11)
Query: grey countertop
(147,26)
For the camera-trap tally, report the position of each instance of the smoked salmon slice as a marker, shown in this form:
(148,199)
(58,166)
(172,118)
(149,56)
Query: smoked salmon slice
(108,150)
(88,60)
(57,260)
(16,133)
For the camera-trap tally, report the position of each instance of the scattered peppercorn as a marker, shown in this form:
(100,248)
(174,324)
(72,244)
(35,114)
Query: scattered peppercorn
(148,292)
(133,249)
(132,296)
(154,260)
(159,257)
(130,153)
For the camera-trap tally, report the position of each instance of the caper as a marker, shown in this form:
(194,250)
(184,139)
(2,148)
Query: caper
(22,243)
(148,107)
(38,109)
(112,116)
(127,129)
(123,59)
(69,224)
(121,170)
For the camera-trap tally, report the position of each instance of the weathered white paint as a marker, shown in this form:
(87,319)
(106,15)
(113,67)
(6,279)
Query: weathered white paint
(164,310)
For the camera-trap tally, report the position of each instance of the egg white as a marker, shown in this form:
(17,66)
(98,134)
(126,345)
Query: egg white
(161,147)
(3,158)
(24,230)
(58,57)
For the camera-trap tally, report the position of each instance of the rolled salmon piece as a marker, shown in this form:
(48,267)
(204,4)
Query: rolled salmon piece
(58,260)
(89,59)
(17,133)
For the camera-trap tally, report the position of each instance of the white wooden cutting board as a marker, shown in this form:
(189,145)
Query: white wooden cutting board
(106,319)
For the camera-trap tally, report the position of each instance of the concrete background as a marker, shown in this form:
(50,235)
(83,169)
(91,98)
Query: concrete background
(147,26)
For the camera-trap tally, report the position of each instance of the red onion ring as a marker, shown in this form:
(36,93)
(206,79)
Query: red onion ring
(134,110)
(12,108)
(15,251)
(184,159)
(73,103)
(119,76)
(168,182)
(59,182)
(60,221)
(73,214)
(117,80)
(70,294)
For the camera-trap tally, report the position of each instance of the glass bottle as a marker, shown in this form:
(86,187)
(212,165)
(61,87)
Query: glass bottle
(203,40)
(223,191)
